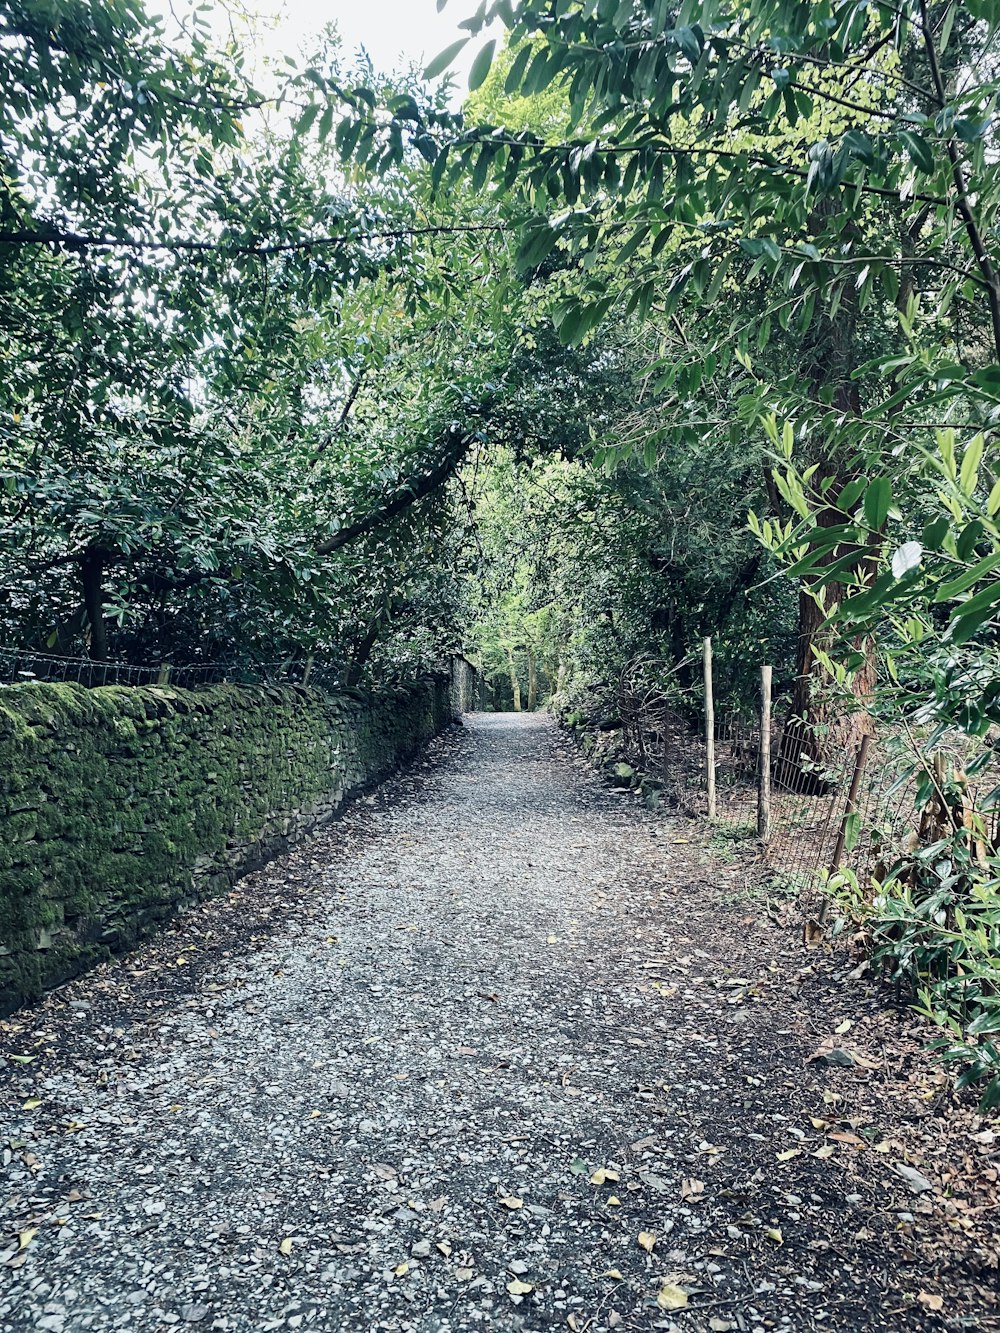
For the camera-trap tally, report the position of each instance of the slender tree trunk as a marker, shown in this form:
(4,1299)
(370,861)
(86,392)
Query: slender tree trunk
(363,651)
(532,682)
(92,577)
(515,684)
(823,726)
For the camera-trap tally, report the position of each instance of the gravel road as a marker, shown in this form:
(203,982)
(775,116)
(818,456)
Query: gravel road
(503,1041)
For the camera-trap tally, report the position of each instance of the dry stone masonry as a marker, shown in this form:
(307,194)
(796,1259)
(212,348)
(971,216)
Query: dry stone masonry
(119,805)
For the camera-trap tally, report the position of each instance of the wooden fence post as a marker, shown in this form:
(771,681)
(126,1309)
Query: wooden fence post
(709,729)
(307,669)
(163,675)
(764,773)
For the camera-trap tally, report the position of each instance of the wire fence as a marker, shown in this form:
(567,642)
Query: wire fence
(849,803)
(19,666)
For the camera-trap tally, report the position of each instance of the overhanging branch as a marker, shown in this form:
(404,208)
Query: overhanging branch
(79,241)
(416,488)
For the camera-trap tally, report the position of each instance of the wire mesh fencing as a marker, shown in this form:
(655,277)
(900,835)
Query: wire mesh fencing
(20,666)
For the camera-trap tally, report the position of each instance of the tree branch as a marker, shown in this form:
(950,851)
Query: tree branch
(404,497)
(975,236)
(79,241)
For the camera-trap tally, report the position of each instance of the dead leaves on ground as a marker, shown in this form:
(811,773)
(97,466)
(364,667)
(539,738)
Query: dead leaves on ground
(671,1297)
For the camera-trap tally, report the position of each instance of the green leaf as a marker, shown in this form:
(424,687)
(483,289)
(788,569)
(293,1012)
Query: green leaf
(969,473)
(512,83)
(918,150)
(481,66)
(441,62)
(982,602)
(966,580)
(878,499)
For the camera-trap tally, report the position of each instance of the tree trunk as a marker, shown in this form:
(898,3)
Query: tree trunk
(532,682)
(363,650)
(822,727)
(515,684)
(92,576)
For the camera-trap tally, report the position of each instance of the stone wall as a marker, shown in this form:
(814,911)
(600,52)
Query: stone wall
(120,805)
(466,686)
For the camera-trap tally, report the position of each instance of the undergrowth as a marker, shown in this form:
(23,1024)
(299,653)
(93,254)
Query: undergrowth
(932,923)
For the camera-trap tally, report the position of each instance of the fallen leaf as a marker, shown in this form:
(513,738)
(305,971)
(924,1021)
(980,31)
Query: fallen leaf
(646,1240)
(812,934)
(788,1154)
(670,1297)
(24,1238)
(692,1190)
(32,1104)
(614,1201)
(384,1171)
(519,1288)
(843,1027)
(463,1274)
(401,1270)
(930,1300)
(916,1183)
(445,1248)
(603,1174)
(21,1059)
(613,1273)
(827,1150)
(829,1053)
(774,1233)
(512,1202)
(286,1245)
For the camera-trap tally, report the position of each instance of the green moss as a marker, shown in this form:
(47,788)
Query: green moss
(110,797)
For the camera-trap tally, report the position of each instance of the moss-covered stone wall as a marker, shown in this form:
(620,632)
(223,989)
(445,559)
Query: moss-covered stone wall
(120,805)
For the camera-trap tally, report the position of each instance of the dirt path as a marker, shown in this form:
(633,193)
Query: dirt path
(500,1022)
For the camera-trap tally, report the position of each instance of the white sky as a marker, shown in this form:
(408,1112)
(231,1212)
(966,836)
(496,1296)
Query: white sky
(395,33)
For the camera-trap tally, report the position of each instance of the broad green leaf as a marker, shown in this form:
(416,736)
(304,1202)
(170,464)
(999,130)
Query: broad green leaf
(445,58)
(481,66)
(918,150)
(971,459)
(877,502)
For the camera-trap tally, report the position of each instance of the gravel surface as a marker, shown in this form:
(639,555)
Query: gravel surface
(504,1059)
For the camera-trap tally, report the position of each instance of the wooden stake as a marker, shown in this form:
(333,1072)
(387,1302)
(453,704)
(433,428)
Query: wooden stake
(764,766)
(163,675)
(709,729)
